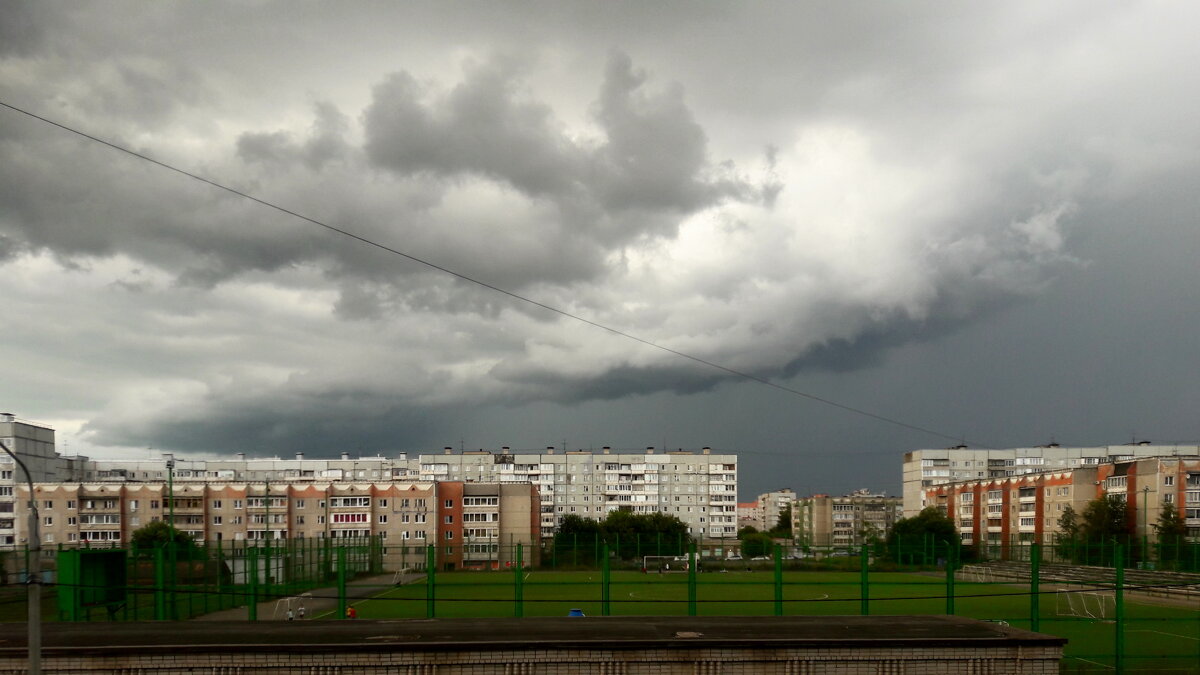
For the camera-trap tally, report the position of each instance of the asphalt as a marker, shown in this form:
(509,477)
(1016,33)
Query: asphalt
(544,632)
(318,603)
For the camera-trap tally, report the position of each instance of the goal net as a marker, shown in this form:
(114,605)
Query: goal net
(976,574)
(292,602)
(1096,605)
(664,563)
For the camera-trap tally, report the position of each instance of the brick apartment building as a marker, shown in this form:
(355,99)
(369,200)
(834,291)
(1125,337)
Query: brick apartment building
(1027,508)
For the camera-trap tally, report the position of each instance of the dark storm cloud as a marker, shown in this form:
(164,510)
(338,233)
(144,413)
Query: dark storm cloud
(831,194)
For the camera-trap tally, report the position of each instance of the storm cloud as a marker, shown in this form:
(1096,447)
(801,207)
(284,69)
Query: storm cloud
(893,207)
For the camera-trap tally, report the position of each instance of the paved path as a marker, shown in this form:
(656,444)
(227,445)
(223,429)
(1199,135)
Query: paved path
(321,603)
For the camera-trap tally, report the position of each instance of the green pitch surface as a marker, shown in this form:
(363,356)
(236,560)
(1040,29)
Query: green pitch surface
(1157,638)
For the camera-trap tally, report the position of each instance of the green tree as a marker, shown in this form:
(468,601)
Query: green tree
(743,531)
(783,526)
(1067,539)
(756,544)
(159,533)
(1172,529)
(925,537)
(1103,524)
(575,541)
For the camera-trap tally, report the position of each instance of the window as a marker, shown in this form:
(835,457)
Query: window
(449,520)
(966,497)
(48,504)
(48,520)
(419,503)
(320,520)
(6,491)
(449,535)
(216,520)
(350,518)
(382,503)
(1168,480)
(382,518)
(449,503)
(71,504)
(419,518)
(71,520)
(154,504)
(237,503)
(216,503)
(1168,498)
(420,534)
(343,502)
(299,520)
(299,503)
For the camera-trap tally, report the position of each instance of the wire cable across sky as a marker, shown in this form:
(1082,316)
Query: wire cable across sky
(478,282)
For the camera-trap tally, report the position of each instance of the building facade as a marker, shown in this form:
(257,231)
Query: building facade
(849,520)
(923,469)
(995,513)
(473,526)
(698,488)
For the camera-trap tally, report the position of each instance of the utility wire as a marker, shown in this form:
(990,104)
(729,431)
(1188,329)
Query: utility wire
(484,284)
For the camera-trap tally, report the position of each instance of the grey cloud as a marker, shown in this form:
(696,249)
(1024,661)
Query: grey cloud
(652,156)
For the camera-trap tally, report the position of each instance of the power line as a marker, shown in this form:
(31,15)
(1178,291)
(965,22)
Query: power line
(484,284)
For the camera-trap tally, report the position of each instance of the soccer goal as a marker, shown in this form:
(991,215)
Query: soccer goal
(664,563)
(975,574)
(1095,605)
(290,602)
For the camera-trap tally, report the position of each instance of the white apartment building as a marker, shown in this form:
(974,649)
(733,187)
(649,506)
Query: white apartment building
(927,468)
(699,489)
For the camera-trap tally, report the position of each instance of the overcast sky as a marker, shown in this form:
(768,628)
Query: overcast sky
(979,219)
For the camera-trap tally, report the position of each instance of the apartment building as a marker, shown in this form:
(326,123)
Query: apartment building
(474,526)
(923,469)
(849,520)
(699,489)
(764,512)
(1027,508)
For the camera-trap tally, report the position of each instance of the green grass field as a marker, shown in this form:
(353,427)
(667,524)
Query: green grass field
(1158,638)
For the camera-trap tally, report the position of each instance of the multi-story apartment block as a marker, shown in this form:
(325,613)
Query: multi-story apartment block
(927,468)
(34,443)
(823,520)
(475,525)
(1027,508)
(764,512)
(699,489)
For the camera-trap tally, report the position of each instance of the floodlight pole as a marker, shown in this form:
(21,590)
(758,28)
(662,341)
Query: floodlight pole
(33,575)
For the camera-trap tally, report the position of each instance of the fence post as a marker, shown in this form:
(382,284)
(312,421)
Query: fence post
(518,587)
(430,582)
(778,581)
(251,568)
(864,589)
(605,590)
(1119,592)
(950,565)
(341,581)
(691,570)
(1035,588)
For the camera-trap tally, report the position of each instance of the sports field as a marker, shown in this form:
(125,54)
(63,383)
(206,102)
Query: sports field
(1158,638)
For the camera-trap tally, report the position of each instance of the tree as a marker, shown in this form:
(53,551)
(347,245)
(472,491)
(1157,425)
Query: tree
(743,531)
(1068,523)
(159,533)
(913,536)
(1172,529)
(783,526)
(757,544)
(627,534)
(1103,524)
(1104,518)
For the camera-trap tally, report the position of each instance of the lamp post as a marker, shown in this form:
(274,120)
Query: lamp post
(1145,507)
(170,457)
(33,574)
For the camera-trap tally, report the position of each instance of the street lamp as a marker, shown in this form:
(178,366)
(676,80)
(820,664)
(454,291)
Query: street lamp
(170,457)
(1145,507)
(33,575)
